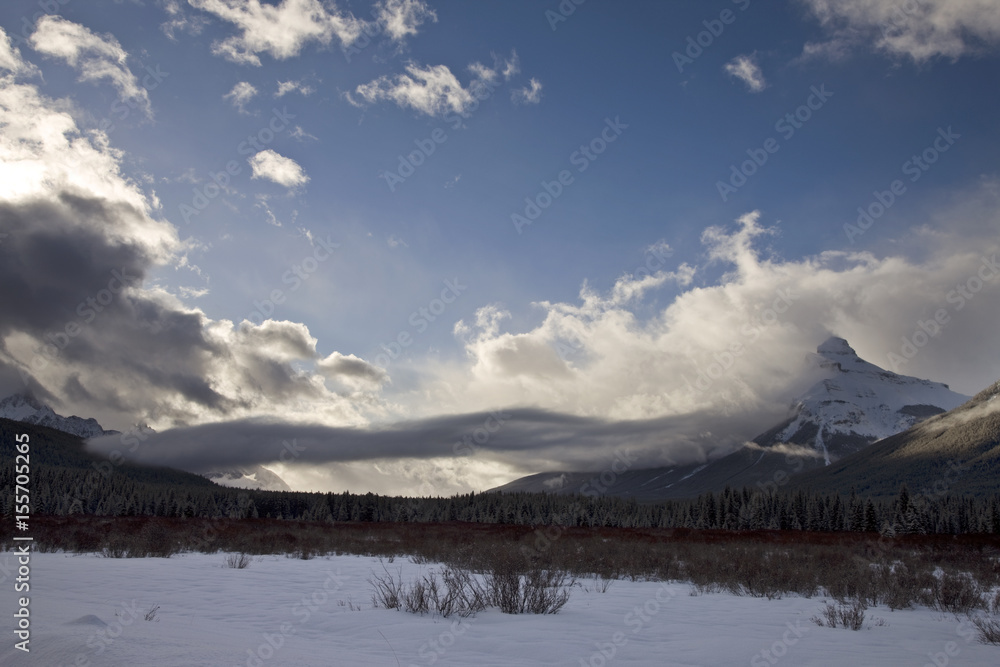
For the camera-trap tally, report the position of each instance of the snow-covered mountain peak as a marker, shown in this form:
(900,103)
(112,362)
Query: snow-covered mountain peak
(836,353)
(858,403)
(29,410)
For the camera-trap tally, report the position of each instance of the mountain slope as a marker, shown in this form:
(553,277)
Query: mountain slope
(957,452)
(855,404)
(27,409)
(55,449)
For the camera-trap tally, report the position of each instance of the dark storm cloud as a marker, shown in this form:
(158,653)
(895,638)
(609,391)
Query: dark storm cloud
(528,438)
(72,270)
(57,254)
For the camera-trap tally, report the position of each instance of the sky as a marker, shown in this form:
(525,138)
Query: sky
(429,247)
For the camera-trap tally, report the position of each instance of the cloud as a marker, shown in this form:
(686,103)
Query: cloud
(10,58)
(278,168)
(241,93)
(531,94)
(180,21)
(402,18)
(745,69)
(83,325)
(285,87)
(352,371)
(97,58)
(281,30)
(918,29)
(433,90)
(441,448)
(395,242)
(739,343)
(301,135)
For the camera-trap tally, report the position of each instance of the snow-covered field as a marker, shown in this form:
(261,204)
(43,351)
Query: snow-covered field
(88,610)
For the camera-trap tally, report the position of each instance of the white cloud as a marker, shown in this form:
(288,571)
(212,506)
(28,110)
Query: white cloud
(531,94)
(402,18)
(738,346)
(179,21)
(918,29)
(97,58)
(746,69)
(241,93)
(301,135)
(10,57)
(434,90)
(146,355)
(278,168)
(285,87)
(396,242)
(280,30)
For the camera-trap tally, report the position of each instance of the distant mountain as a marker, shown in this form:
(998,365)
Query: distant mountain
(855,404)
(954,453)
(55,450)
(27,409)
(248,477)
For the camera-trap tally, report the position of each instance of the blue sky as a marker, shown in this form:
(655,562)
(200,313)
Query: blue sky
(621,291)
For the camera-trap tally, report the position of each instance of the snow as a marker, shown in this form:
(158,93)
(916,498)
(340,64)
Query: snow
(860,398)
(211,615)
(27,409)
(248,477)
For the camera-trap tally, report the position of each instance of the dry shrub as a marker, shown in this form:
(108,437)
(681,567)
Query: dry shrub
(240,561)
(846,615)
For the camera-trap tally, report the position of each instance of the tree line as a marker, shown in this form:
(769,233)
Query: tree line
(62,490)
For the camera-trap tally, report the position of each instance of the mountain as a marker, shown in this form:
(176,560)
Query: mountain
(954,453)
(248,477)
(54,451)
(855,404)
(27,409)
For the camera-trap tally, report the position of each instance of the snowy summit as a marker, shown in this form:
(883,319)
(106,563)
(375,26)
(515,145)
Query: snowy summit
(859,403)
